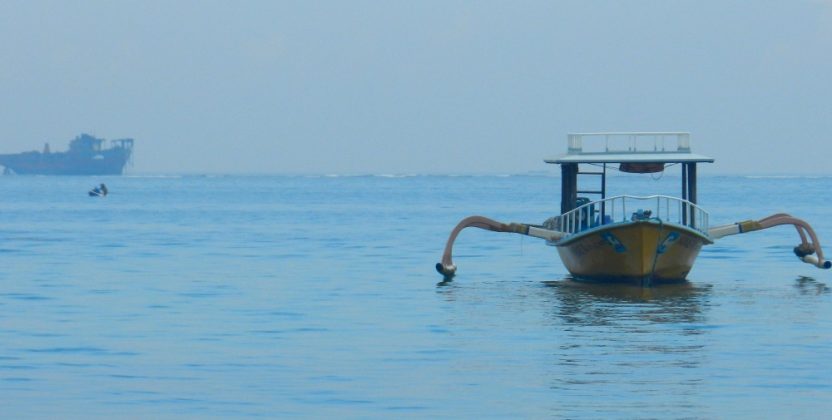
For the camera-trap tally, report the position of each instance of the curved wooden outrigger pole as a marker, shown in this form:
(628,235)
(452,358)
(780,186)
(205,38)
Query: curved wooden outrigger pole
(803,251)
(447,268)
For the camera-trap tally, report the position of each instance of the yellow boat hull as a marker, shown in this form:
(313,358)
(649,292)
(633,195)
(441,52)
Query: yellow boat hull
(643,252)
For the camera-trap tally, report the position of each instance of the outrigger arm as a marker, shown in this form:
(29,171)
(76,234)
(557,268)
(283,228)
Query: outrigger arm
(447,268)
(803,251)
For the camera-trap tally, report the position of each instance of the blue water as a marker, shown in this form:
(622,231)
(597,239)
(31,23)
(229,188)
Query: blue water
(303,297)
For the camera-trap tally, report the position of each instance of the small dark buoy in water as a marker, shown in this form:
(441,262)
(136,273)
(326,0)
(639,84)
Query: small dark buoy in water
(100,191)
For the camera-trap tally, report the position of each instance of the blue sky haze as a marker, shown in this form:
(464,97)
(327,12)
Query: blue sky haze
(416,87)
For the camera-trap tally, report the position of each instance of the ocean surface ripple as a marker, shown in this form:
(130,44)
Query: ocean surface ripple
(299,297)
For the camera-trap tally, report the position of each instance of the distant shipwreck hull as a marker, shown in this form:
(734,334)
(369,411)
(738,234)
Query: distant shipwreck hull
(85,156)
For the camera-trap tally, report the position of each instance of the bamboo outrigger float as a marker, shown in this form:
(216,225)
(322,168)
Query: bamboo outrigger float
(644,240)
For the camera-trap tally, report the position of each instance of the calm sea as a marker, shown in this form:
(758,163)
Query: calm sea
(316,297)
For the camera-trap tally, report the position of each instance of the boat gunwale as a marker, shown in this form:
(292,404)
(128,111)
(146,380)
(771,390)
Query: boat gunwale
(566,241)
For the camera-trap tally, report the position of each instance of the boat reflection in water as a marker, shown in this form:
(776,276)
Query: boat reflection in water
(810,286)
(602,349)
(630,340)
(598,304)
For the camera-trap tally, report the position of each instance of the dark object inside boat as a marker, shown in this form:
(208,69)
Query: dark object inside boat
(641,168)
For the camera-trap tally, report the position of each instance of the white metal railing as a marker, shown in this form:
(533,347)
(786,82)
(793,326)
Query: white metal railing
(630,142)
(625,208)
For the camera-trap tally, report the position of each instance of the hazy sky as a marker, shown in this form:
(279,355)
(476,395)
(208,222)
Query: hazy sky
(363,87)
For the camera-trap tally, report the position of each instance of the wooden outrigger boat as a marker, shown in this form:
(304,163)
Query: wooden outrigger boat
(634,239)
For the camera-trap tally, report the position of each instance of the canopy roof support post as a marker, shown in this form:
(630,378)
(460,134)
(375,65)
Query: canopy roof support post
(692,182)
(684,192)
(604,182)
(569,186)
(689,192)
(603,193)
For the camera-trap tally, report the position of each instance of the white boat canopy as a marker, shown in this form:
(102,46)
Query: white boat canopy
(641,147)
